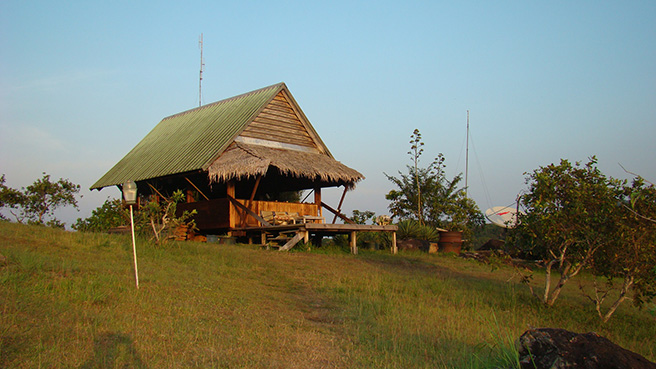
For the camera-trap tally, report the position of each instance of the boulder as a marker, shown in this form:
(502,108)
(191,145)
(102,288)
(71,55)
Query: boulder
(557,348)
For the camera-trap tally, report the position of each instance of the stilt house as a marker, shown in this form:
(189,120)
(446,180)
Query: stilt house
(237,160)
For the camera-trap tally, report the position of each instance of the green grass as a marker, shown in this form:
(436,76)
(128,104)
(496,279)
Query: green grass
(68,300)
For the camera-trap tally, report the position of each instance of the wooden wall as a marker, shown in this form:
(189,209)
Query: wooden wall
(221,214)
(258,206)
(212,214)
(278,122)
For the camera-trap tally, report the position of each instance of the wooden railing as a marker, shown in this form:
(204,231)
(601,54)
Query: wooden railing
(224,213)
(241,217)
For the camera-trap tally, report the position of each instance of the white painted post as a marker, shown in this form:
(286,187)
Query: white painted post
(134,249)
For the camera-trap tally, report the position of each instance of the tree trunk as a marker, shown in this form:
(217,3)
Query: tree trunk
(547,280)
(628,282)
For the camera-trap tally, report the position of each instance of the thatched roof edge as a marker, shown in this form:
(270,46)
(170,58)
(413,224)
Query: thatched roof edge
(242,161)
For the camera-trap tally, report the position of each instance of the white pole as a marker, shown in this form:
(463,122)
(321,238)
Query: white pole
(134,250)
(467,158)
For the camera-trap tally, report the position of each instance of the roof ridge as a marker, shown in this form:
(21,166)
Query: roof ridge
(279,85)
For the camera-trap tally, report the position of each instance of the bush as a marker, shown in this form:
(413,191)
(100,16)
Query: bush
(413,229)
(109,215)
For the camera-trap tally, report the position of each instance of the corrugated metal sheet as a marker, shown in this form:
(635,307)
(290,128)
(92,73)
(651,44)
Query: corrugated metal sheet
(190,140)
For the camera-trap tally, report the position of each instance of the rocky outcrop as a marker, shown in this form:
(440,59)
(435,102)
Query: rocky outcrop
(551,348)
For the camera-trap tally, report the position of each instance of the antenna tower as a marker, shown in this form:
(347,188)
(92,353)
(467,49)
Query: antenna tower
(202,64)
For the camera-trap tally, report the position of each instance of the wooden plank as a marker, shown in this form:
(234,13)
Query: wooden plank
(345,228)
(279,123)
(282,116)
(342,216)
(277,135)
(263,125)
(281,109)
(280,102)
(281,139)
(279,113)
(257,184)
(259,206)
(280,97)
(339,207)
(247,210)
(197,189)
(291,243)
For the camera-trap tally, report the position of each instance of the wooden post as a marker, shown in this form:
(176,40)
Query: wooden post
(339,207)
(230,191)
(230,188)
(257,184)
(394,248)
(354,242)
(317,200)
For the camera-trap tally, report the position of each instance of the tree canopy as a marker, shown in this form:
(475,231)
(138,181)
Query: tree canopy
(576,218)
(425,194)
(36,204)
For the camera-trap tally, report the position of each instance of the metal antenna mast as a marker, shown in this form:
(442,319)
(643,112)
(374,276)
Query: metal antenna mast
(467,156)
(202,64)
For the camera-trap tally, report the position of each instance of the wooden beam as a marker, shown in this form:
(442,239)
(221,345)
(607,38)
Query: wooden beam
(317,199)
(308,195)
(291,243)
(257,184)
(339,207)
(395,249)
(342,216)
(197,189)
(249,211)
(159,194)
(230,188)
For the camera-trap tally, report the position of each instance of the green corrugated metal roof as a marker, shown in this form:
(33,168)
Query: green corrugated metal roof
(190,140)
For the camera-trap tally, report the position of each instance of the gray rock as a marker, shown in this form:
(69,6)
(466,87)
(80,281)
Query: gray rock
(551,348)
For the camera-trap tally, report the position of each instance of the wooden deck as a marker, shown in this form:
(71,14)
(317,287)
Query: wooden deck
(305,231)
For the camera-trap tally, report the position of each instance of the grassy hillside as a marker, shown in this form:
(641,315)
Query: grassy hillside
(68,300)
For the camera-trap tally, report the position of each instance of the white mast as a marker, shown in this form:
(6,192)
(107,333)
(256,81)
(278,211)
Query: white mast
(200,80)
(467,157)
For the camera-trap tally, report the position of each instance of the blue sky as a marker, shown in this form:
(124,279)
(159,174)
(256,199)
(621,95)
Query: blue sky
(82,82)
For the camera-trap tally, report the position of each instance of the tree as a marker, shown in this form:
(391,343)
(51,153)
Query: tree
(9,197)
(426,195)
(361,217)
(569,212)
(38,202)
(631,257)
(415,152)
(109,215)
(162,218)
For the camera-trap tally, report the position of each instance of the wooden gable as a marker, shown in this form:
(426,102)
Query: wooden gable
(280,124)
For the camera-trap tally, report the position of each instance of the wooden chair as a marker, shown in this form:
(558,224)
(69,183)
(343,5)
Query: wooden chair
(295,217)
(269,216)
(282,217)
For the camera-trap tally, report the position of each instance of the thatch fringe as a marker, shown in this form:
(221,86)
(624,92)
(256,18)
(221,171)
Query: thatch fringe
(242,161)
